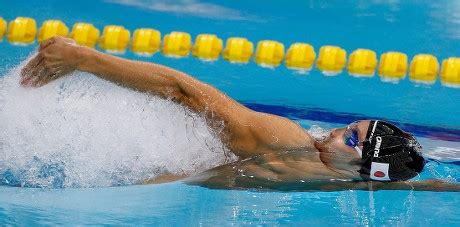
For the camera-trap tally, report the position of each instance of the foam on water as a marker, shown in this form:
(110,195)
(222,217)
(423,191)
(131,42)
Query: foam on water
(82,131)
(318,133)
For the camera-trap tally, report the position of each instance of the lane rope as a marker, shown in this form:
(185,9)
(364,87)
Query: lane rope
(331,60)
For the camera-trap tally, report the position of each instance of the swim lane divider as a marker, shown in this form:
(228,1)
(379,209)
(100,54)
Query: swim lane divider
(331,60)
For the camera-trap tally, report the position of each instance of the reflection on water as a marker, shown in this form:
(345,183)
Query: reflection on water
(446,18)
(180,204)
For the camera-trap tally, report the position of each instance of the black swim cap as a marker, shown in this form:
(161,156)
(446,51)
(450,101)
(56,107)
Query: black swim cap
(390,154)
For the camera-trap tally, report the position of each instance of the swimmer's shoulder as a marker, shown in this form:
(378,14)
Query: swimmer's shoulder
(278,133)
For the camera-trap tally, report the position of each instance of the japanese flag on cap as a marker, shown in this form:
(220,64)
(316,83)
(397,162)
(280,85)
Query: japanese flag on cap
(379,171)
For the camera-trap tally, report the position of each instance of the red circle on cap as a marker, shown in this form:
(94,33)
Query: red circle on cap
(379,174)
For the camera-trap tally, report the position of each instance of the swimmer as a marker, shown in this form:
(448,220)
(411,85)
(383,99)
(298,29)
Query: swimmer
(274,152)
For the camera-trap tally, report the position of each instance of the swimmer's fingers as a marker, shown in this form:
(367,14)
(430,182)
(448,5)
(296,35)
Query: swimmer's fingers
(43,77)
(47,71)
(34,73)
(30,70)
(37,78)
(41,72)
(45,80)
(50,74)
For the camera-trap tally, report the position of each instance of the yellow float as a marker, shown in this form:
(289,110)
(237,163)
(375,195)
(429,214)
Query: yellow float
(22,30)
(393,66)
(362,63)
(177,44)
(238,50)
(2,28)
(450,72)
(114,39)
(269,53)
(52,28)
(424,68)
(85,34)
(331,60)
(300,56)
(146,41)
(207,47)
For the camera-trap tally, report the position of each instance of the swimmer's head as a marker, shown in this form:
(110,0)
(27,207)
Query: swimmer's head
(372,150)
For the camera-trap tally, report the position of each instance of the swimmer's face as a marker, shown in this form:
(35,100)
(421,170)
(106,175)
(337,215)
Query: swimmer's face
(339,156)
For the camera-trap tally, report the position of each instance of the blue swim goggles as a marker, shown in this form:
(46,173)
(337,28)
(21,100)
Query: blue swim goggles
(351,139)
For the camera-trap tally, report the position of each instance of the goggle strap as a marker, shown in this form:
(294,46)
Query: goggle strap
(360,152)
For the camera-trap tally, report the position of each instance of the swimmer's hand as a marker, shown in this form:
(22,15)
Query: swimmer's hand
(435,185)
(56,57)
(216,182)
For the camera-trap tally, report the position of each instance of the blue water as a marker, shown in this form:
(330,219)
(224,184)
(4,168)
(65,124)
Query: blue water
(430,112)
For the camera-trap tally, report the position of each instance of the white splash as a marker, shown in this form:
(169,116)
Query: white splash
(318,133)
(444,153)
(82,131)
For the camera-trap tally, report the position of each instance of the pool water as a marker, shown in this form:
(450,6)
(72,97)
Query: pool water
(64,159)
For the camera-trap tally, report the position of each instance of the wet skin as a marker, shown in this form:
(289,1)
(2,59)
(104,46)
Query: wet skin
(271,148)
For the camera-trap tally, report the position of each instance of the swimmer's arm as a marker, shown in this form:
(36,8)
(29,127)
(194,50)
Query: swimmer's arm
(425,185)
(261,177)
(58,56)
(428,185)
(248,183)
(246,132)
(226,116)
